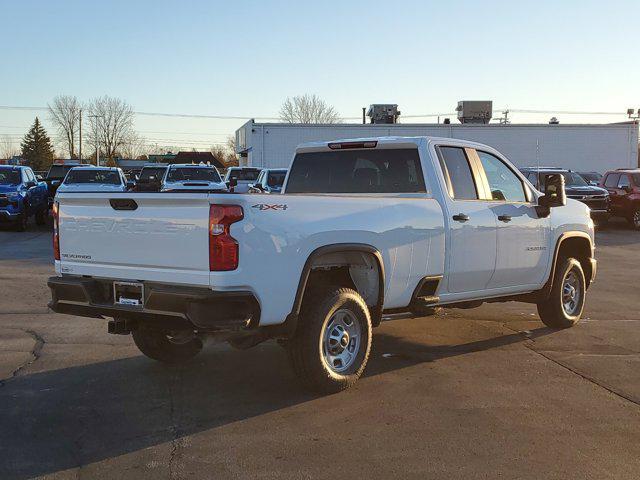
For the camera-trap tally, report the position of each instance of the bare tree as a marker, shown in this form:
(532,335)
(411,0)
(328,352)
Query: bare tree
(111,123)
(64,113)
(134,146)
(308,109)
(8,148)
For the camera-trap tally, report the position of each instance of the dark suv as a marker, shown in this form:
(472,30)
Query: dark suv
(595,197)
(624,188)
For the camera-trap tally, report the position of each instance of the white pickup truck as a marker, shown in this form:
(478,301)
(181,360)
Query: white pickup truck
(363,228)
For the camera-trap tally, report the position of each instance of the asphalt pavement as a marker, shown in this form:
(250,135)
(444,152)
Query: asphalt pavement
(483,393)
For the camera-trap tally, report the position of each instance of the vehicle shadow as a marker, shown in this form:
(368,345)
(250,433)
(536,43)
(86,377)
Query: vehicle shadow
(66,418)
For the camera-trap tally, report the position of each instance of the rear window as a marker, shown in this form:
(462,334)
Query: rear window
(357,171)
(151,174)
(189,174)
(96,176)
(245,174)
(58,172)
(460,178)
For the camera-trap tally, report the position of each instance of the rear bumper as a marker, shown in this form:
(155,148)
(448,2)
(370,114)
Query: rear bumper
(168,306)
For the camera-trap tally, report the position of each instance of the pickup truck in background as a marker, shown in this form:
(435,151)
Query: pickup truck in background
(22,196)
(55,176)
(243,178)
(363,227)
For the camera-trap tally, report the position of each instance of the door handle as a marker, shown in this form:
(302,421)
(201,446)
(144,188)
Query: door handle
(504,218)
(461,217)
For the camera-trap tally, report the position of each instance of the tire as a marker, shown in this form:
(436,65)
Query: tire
(22,223)
(564,306)
(162,346)
(41,216)
(634,219)
(331,346)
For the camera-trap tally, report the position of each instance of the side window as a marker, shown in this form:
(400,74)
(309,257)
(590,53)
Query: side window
(612,180)
(624,181)
(503,182)
(533,178)
(357,171)
(460,179)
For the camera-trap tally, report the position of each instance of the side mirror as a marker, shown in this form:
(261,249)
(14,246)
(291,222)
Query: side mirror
(627,188)
(130,184)
(39,178)
(554,194)
(232,182)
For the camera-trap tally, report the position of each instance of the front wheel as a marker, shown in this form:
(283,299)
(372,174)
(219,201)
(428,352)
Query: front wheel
(331,346)
(167,346)
(564,306)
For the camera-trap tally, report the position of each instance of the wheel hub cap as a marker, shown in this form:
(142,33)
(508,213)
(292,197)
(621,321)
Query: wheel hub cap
(341,340)
(571,293)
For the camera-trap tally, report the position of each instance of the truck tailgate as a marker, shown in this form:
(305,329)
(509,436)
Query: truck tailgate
(163,239)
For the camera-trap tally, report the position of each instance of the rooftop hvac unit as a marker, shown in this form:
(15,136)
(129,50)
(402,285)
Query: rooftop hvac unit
(474,111)
(383,113)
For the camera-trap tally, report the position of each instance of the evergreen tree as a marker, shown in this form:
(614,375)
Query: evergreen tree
(36,147)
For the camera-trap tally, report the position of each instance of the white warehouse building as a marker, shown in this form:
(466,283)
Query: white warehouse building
(581,147)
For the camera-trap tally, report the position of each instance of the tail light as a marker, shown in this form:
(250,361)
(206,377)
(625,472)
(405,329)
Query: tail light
(56,232)
(223,248)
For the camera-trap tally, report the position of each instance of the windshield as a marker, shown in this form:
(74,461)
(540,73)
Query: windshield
(572,179)
(244,174)
(206,174)
(57,172)
(9,177)
(110,177)
(151,174)
(276,179)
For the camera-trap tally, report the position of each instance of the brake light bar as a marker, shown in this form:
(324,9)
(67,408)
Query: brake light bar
(223,248)
(347,145)
(56,232)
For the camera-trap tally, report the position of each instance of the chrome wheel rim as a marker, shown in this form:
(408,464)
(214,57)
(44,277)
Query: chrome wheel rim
(636,219)
(181,337)
(571,293)
(341,341)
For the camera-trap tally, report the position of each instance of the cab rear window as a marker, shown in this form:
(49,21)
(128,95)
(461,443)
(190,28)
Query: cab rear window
(357,171)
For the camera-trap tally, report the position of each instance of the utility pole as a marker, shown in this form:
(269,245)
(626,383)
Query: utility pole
(95,128)
(80,134)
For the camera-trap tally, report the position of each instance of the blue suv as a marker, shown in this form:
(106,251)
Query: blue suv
(22,195)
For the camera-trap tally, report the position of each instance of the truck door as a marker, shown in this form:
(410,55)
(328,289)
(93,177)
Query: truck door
(522,236)
(611,184)
(471,242)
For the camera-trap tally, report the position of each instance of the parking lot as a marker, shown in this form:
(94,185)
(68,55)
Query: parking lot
(482,393)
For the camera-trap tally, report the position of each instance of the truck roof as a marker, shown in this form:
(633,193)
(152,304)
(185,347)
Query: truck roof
(388,140)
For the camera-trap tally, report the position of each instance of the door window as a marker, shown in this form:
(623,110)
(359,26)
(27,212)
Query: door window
(533,178)
(503,182)
(460,179)
(612,180)
(624,181)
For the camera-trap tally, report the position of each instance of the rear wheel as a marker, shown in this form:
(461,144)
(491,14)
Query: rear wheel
(331,346)
(564,306)
(41,216)
(167,346)
(634,219)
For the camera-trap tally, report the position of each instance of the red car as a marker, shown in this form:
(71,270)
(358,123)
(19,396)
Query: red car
(624,190)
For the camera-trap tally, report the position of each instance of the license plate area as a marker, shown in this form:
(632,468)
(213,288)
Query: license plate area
(130,294)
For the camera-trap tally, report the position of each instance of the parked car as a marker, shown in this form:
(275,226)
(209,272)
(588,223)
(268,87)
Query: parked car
(270,180)
(186,177)
(21,196)
(363,227)
(55,176)
(592,178)
(150,178)
(245,176)
(624,188)
(595,197)
(94,179)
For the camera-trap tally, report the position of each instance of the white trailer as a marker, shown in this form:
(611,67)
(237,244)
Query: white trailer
(587,147)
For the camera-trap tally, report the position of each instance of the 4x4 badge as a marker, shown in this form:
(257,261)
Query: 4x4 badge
(267,206)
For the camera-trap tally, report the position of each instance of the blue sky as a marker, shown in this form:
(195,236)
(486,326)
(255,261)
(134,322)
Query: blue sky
(244,57)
